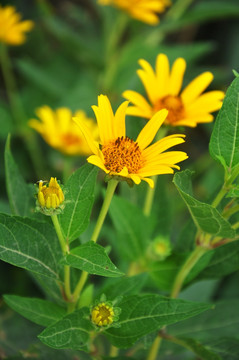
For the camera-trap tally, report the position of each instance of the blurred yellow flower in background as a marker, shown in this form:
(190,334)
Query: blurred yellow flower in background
(12,29)
(163,90)
(118,155)
(59,130)
(143,10)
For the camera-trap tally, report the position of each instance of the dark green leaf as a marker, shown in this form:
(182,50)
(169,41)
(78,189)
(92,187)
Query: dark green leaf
(198,349)
(29,244)
(133,228)
(79,197)
(142,314)
(41,312)
(227,348)
(93,259)
(71,332)
(20,195)
(206,218)
(224,141)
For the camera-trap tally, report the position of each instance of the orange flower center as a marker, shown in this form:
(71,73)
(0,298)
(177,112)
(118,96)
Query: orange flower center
(123,152)
(175,108)
(70,139)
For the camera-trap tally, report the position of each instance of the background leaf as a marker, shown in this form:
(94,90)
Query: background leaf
(79,197)
(39,311)
(93,259)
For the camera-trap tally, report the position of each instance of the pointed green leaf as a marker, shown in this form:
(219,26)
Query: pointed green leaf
(71,332)
(206,218)
(133,228)
(20,194)
(224,141)
(93,259)
(79,197)
(41,312)
(143,314)
(203,351)
(29,244)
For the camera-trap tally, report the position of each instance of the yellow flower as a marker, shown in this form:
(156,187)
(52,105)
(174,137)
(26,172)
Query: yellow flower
(118,155)
(163,87)
(12,29)
(143,10)
(50,196)
(60,132)
(102,314)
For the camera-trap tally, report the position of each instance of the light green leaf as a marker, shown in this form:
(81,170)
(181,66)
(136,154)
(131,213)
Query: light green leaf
(233,193)
(79,197)
(93,259)
(143,314)
(41,312)
(71,332)
(206,218)
(225,137)
(20,194)
(29,244)
(133,228)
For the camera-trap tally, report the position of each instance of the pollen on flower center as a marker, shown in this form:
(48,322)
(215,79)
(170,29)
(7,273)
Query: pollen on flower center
(122,152)
(175,108)
(102,314)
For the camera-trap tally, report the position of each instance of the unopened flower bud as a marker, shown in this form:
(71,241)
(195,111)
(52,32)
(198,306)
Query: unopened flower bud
(50,197)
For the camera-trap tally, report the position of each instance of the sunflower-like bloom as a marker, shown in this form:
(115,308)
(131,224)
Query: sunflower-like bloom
(60,132)
(163,88)
(144,10)
(12,29)
(120,156)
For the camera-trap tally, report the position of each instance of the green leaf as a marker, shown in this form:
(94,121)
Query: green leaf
(20,194)
(225,260)
(233,193)
(41,312)
(71,332)
(142,314)
(79,197)
(133,228)
(93,259)
(227,348)
(204,352)
(29,244)
(206,218)
(224,141)
(126,286)
(224,319)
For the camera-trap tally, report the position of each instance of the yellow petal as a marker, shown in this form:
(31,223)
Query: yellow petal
(41,199)
(196,87)
(149,80)
(140,103)
(206,103)
(148,133)
(119,121)
(194,120)
(157,170)
(64,118)
(105,119)
(149,181)
(87,134)
(176,77)
(162,145)
(136,179)
(162,73)
(96,160)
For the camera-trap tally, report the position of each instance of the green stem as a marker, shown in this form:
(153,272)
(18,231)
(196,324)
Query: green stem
(65,250)
(227,214)
(103,212)
(178,9)
(67,167)
(148,203)
(236,225)
(114,351)
(152,355)
(186,268)
(219,196)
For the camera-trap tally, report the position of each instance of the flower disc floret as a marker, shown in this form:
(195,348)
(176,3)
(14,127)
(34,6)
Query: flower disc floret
(50,197)
(102,314)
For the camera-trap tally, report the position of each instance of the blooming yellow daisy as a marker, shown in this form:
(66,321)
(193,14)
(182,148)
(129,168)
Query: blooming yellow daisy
(143,10)
(12,29)
(118,155)
(163,87)
(60,132)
